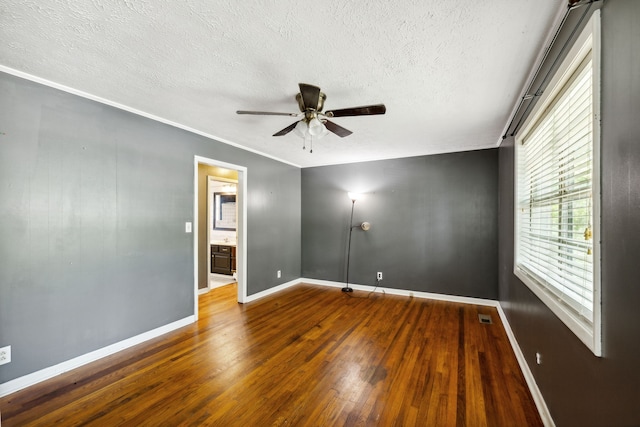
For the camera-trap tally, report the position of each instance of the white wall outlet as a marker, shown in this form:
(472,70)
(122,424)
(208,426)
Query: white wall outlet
(5,355)
(379,275)
(187,227)
(538,358)
(279,274)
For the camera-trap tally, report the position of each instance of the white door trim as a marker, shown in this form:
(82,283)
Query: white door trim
(241,251)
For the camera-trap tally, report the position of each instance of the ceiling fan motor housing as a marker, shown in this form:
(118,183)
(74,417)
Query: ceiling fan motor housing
(304,109)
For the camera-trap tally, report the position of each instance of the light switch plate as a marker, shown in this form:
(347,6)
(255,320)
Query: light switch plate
(187,227)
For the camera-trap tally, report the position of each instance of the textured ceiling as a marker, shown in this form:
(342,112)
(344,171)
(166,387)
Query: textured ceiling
(449,71)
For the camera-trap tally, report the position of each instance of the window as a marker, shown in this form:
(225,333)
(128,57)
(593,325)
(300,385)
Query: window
(557,193)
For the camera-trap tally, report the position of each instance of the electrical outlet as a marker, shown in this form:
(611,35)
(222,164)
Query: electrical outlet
(538,358)
(279,274)
(5,355)
(379,275)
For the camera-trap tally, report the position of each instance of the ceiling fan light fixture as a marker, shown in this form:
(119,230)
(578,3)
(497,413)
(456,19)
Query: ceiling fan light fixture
(316,128)
(301,129)
(324,133)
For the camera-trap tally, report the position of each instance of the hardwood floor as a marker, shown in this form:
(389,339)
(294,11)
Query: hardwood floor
(306,356)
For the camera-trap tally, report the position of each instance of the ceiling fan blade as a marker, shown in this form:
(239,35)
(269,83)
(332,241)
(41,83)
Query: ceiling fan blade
(310,95)
(266,113)
(365,110)
(286,130)
(337,129)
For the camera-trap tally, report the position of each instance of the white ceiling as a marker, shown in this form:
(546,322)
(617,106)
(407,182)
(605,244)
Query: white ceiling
(450,72)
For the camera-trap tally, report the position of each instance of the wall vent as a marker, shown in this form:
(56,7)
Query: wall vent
(485,318)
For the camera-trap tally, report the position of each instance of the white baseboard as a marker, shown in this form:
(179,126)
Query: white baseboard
(526,371)
(273,290)
(52,371)
(404,292)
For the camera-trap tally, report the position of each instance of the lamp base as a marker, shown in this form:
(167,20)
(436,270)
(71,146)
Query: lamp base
(347,289)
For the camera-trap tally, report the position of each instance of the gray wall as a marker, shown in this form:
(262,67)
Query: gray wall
(579,388)
(434,223)
(93,202)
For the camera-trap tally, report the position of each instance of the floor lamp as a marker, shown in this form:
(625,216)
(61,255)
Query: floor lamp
(365,226)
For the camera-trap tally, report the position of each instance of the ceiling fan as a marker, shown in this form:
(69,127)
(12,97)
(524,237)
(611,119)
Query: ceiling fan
(312,121)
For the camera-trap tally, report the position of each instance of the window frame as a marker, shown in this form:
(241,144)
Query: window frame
(587,43)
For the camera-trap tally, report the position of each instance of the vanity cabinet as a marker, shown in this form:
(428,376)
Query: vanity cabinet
(223,259)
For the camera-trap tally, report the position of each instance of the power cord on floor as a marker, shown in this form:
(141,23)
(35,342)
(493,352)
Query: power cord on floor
(376,287)
(350,295)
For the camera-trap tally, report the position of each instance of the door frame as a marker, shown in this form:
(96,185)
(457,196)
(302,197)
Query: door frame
(241,249)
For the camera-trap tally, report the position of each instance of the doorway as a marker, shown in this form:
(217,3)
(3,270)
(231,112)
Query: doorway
(217,258)
(241,224)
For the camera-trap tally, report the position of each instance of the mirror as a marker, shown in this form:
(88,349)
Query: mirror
(224,211)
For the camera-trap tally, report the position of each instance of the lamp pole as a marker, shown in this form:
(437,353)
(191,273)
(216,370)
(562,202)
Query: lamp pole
(353,204)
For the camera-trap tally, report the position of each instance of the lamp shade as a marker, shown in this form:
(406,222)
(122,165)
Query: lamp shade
(354,196)
(301,129)
(316,127)
(324,132)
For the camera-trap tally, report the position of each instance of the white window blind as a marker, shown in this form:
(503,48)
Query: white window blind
(557,192)
(555,197)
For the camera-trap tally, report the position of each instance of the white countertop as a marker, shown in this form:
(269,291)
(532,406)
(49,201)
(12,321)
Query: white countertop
(222,242)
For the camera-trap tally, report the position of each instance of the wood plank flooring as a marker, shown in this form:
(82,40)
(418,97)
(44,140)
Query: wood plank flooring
(306,356)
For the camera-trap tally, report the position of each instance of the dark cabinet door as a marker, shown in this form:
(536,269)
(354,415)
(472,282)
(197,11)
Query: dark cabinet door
(222,259)
(222,262)
(212,263)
